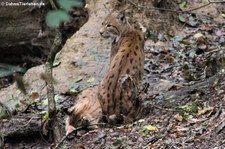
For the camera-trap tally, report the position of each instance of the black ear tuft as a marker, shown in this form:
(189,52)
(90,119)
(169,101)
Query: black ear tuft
(121,17)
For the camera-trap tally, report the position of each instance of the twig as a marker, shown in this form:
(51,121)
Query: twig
(221,127)
(175,11)
(209,2)
(161,108)
(50,88)
(29,121)
(53,4)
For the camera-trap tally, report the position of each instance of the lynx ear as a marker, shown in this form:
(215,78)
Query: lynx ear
(121,17)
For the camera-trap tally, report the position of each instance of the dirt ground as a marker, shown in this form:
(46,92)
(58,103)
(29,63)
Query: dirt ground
(183,86)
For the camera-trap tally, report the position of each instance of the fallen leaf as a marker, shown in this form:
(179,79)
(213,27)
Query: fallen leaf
(193,120)
(205,110)
(181,128)
(223,15)
(34,95)
(149,128)
(178,117)
(198,35)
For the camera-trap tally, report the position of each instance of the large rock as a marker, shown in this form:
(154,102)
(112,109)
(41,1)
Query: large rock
(86,47)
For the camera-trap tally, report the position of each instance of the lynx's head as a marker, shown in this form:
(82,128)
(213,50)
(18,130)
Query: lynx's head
(114,25)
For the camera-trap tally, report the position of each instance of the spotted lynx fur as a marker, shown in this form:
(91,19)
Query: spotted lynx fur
(118,92)
(86,110)
(117,97)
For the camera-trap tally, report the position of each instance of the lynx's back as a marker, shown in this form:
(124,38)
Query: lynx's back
(119,90)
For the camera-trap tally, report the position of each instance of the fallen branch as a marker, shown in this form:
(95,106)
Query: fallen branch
(18,128)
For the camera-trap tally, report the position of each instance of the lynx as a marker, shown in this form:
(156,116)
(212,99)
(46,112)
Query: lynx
(117,97)
(118,92)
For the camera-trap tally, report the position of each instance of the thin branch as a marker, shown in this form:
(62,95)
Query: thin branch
(175,11)
(193,9)
(163,108)
(53,121)
(53,4)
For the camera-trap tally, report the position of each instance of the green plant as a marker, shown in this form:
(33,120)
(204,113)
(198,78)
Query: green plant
(55,17)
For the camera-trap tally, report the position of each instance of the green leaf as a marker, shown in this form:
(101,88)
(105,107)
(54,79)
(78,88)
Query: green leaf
(118,142)
(7,69)
(193,108)
(55,17)
(4,112)
(182,4)
(69,4)
(181,18)
(46,116)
